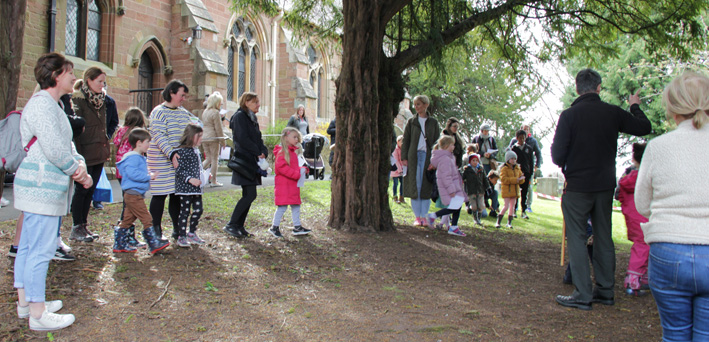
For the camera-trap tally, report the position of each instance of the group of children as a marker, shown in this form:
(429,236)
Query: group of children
(475,186)
(132,142)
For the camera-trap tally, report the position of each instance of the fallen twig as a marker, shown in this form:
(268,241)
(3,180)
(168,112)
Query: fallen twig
(163,293)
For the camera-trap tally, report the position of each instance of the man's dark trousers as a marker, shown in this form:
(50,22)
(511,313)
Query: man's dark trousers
(576,207)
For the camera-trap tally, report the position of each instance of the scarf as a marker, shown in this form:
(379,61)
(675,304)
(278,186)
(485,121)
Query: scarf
(96,99)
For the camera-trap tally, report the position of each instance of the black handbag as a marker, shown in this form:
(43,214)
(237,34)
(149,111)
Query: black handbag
(243,167)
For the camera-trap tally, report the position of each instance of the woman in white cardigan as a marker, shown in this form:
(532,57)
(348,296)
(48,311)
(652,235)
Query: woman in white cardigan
(42,188)
(671,191)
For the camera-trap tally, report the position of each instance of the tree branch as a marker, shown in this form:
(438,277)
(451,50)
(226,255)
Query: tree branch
(415,54)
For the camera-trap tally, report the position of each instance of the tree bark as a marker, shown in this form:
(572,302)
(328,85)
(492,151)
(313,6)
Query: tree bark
(368,93)
(12,30)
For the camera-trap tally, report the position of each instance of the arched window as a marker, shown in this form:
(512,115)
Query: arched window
(242,69)
(242,60)
(84,26)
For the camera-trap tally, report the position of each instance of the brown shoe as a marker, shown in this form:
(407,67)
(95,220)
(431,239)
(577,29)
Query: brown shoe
(401,199)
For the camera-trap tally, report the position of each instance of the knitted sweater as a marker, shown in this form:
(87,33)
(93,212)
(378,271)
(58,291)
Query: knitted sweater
(671,189)
(43,183)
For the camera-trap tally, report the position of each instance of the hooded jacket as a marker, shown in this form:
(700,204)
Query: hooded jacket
(134,168)
(447,176)
(508,178)
(286,190)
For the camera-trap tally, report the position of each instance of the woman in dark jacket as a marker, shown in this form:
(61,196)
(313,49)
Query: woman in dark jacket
(452,128)
(249,146)
(89,102)
(299,121)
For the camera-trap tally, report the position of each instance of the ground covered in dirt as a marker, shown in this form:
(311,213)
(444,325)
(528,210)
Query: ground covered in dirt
(410,285)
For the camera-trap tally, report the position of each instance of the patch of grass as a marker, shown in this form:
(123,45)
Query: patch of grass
(129,318)
(121,268)
(200,328)
(208,286)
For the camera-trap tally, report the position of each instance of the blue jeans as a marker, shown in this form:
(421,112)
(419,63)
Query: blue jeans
(38,243)
(418,205)
(679,281)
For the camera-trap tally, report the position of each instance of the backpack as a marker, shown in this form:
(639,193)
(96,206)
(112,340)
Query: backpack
(11,151)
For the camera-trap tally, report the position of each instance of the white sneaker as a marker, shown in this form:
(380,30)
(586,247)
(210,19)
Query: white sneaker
(51,306)
(4,202)
(51,321)
(64,246)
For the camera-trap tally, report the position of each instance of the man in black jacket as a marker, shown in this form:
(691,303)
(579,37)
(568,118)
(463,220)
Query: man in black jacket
(585,146)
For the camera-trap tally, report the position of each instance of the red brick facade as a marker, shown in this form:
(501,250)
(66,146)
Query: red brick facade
(136,33)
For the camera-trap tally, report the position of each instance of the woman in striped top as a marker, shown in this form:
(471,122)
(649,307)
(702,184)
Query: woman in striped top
(167,122)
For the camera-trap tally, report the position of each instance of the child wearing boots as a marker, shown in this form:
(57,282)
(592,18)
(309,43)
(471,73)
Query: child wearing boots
(449,181)
(476,183)
(398,174)
(286,190)
(636,280)
(491,193)
(135,183)
(189,182)
(511,177)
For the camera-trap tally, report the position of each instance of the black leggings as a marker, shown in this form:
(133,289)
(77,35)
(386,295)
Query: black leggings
(454,219)
(81,202)
(157,207)
(238,217)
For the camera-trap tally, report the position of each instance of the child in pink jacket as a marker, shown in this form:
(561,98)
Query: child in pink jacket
(286,190)
(449,181)
(636,282)
(398,174)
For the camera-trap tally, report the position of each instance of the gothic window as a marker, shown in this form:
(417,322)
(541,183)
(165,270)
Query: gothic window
(242,60)
(84,26)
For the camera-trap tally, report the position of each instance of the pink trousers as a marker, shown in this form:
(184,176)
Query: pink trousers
(640,250)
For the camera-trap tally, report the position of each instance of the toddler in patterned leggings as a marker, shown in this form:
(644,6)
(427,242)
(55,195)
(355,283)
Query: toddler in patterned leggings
(189,183)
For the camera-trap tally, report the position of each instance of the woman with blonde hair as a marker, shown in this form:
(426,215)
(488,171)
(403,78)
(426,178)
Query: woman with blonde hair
(89,102)
(676,203)
(212,137)
(249,148)
(420,134)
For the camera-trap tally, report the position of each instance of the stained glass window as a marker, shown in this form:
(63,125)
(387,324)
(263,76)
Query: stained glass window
(249,34)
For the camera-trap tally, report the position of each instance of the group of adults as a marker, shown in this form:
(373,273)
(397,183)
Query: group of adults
(673,199)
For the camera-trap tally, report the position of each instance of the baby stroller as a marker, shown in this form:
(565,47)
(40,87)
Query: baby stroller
(312,147)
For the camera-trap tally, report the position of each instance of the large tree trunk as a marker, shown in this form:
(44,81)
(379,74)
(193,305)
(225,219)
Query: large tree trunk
(12,31)
(368,92)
